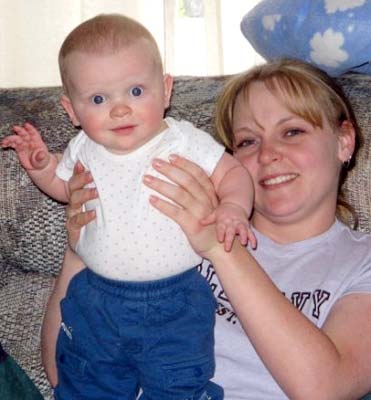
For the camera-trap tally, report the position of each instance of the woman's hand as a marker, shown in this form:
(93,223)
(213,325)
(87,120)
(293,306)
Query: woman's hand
(79,195)
(193,199)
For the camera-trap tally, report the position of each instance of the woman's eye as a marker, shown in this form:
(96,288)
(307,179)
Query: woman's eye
(245,143)
(293,132)
(136,91)
(98,99)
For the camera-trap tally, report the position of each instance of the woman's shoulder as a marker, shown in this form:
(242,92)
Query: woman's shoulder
(353,240)
(339,237)
(333,259)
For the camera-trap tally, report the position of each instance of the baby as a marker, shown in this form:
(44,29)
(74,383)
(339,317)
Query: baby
(140,308)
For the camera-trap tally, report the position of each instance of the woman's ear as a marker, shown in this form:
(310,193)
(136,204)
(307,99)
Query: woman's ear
(168,88)
(346,138)
(67,105)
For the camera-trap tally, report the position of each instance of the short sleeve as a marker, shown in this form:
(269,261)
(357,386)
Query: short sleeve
(361,283)
(70,156)
(201,148)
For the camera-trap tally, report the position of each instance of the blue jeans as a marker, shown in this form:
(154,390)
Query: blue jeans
(118,337)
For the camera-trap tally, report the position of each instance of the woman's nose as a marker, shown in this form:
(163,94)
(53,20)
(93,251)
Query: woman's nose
(119,110)
(269,152)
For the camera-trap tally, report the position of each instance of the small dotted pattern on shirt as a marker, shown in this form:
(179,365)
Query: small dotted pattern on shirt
(130,239)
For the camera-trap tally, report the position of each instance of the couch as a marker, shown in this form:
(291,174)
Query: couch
(32,226)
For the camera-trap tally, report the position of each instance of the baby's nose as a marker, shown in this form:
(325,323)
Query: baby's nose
(119,110)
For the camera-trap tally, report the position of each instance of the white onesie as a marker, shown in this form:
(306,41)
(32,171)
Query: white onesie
(130,239)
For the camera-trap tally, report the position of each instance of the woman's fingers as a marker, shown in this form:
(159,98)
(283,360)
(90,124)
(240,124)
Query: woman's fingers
(80,178)
(181,197)
(199,175)
(191,197)
(201,238)
(169,190)
(189,187)
(74,224)
(79,195)
(170,210)
(189,177)
(77,220)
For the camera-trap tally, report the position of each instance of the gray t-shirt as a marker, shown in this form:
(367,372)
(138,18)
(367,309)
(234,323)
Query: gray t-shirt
(313,274)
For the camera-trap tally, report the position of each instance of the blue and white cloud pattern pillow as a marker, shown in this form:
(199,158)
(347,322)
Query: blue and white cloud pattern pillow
(335,35)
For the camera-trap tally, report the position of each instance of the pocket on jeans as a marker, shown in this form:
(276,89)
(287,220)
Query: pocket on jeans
(189,373)
(201,300)
(75,330)
(73,363)
(74,339)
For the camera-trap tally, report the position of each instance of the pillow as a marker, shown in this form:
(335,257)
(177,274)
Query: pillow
(335,35)
(32,225)
(15,384)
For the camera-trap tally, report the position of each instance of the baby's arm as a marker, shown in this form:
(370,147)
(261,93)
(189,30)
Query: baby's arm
(36,159)
(235,190)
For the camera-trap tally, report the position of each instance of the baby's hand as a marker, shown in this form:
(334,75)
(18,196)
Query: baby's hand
(231,220)
(31,149)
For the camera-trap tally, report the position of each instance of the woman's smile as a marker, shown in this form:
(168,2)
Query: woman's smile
(273,182)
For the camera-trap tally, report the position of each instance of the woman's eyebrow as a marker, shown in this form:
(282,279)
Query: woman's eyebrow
(243,129)
(247,128)
(285,119)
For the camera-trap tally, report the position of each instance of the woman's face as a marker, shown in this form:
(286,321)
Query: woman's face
(294,166)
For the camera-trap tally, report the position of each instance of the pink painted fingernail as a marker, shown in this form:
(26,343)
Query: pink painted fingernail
(157,163)
(173,157)
(147,179)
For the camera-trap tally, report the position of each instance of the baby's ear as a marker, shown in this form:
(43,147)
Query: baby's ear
(67,105)
(168,87)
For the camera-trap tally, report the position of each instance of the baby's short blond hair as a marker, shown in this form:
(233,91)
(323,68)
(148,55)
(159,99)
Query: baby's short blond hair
(105,33)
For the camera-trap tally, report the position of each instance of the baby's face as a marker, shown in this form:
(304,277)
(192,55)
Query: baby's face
(119,97)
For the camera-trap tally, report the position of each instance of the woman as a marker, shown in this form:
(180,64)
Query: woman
(303,296)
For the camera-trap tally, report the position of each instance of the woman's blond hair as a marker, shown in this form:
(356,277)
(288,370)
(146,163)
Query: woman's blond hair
(307,92)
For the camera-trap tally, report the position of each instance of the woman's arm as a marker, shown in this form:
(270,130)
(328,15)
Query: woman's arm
(72,264)
(305,361)
(308,363)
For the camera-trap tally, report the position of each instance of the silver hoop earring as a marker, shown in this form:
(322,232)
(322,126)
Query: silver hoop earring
(346,163)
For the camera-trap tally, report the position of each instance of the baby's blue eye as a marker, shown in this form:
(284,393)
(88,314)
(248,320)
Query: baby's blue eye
(98,99)
(136,91)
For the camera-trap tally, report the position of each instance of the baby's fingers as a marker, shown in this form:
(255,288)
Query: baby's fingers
(21,132)
(243,233)
(12,141)
(26,130)
(246,235)
(225,233)
(6,142)
(220,232)
(18,140)
(251,238)
(229,236)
